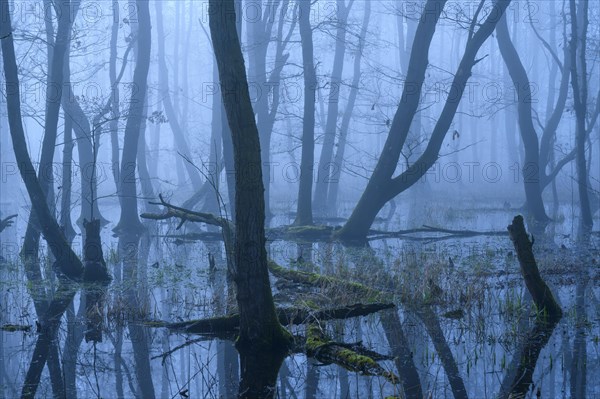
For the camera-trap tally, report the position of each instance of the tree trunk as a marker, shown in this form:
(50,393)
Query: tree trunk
(579,85)
(382,187)
(85,148)
(66,260)
(115,113)
(304,210)
(67,182)
(372,199)
(262,342)
(129,220)
(337,166)
(531,167)
(259,36)
(171,111)
(325,167)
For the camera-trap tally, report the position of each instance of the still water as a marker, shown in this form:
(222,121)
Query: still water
(464,324)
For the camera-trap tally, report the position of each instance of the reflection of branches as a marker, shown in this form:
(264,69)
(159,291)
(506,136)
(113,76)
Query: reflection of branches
(227,228)
(403,357)
(518,378)
(49,328)
(432,325)
(579,361)
(7,222)
(440,234)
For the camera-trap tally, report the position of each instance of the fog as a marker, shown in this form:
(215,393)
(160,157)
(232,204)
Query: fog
(294,198)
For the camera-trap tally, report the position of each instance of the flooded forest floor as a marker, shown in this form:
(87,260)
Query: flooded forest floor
(463,323)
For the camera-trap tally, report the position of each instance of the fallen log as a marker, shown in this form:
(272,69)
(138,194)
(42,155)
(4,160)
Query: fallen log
(441,234)
(15,327)
(302,233)
(226,326)
(321,348)
(318,280)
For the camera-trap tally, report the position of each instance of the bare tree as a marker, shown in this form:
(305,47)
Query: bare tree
(382,187)
(262,343)
(170,109)
(304,210)
(325,166)
(579,83)
(67,263)
(336,167)
(530,168)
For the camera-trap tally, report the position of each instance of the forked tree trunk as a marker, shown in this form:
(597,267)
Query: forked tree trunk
(381,187)
(68,264)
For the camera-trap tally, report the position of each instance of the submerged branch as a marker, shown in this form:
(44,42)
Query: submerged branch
(443,234)
(306,233)
(227,326)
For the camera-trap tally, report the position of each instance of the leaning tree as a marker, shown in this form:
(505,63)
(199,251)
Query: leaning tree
(383,186)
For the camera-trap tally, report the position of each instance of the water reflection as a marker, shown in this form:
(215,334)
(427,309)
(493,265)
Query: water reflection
(477,337)
(518,379)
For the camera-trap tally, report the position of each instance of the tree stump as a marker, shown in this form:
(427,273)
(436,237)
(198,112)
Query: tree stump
(540,292)
(96,279)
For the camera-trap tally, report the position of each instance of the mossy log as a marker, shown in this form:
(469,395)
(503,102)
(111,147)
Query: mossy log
(309,233)
(15,328)
(226,327)
(366,293)
(539,290)
(321,348)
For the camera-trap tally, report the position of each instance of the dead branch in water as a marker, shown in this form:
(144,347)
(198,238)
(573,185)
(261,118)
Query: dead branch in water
(226,326)
(186,215)
(441,234)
